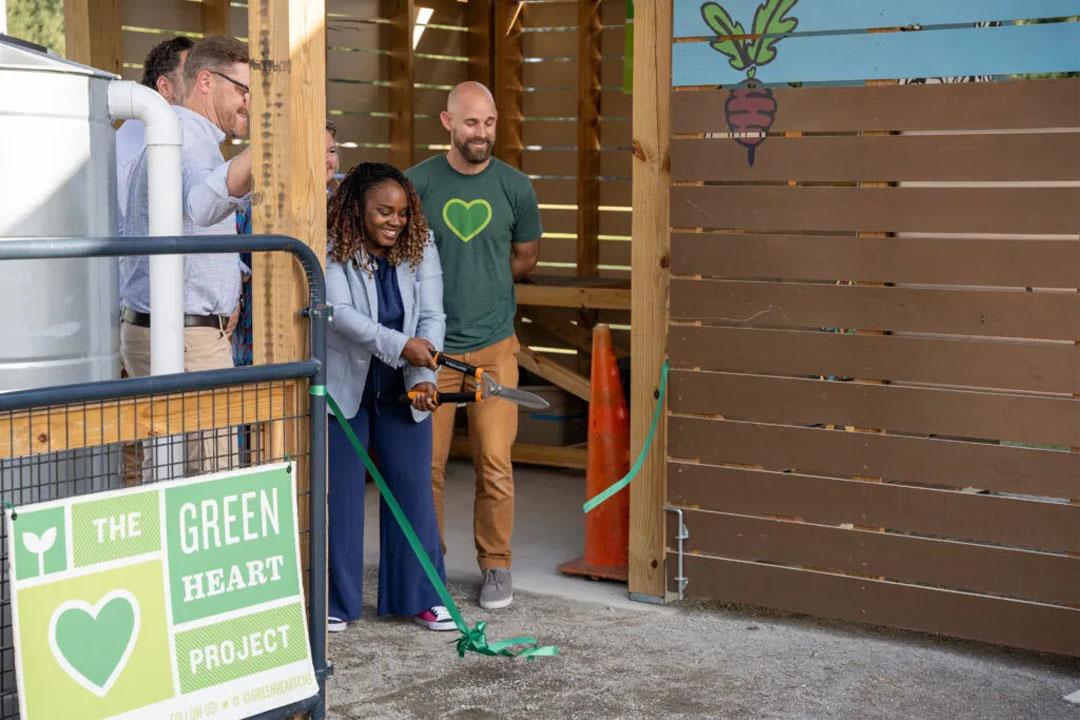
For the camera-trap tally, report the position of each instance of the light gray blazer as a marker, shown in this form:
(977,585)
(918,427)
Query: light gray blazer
(355,334)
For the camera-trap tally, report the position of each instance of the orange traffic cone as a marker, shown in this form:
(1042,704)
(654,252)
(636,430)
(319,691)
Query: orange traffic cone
(607,528)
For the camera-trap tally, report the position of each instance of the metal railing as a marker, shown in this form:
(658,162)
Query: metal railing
(255,408)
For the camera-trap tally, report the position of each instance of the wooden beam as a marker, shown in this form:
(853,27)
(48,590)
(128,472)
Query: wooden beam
(550,322)
(571,457)
(557,324)
(70,427)
(92,33)
(588,138)
(649,283)
(402,16)
(574,297)
(479,44)
(507,80)
(216,18)
(588,156)
(288,110)
(553,372)
(288,147)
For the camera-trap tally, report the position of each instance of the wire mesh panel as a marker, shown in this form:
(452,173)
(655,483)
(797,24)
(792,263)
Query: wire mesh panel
(77,449)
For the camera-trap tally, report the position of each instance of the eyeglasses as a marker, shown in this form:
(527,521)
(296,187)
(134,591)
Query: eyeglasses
(237,83)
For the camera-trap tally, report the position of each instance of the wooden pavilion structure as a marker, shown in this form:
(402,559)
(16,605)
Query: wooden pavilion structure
(918,465)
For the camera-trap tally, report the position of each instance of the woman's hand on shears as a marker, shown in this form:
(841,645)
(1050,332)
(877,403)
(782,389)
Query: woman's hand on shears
(423,396)
(419,353)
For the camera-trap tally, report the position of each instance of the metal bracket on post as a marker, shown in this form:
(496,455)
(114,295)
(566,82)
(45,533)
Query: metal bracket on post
(682,535)
(321,310)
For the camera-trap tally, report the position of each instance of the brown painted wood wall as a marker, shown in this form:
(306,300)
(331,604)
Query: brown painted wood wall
(920,468)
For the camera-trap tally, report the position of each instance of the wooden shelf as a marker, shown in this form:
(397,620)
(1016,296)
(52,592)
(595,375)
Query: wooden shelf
(602,294)
(572,457)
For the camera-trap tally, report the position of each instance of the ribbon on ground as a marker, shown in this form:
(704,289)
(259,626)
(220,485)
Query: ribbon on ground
(473,640)
(625,480)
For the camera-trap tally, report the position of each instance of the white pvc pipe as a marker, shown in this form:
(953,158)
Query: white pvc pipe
(129,100)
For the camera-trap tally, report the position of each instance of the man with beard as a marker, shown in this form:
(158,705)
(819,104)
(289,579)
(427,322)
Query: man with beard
(487,227)
(215,109)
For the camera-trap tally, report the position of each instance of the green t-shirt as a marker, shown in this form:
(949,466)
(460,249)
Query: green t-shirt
(475,218)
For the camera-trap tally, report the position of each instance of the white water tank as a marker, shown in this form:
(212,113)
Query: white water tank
(59,321)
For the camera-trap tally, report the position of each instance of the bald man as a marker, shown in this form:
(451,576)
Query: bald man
(487,227)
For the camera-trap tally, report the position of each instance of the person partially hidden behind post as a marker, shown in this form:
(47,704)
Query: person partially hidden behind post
(215,109)
(384,281)
(163,71)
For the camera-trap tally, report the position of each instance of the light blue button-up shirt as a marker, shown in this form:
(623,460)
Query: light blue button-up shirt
(211,281)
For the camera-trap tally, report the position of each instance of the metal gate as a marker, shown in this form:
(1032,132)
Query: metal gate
(78,439)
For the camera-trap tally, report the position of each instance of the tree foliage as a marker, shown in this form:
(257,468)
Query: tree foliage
(39,21)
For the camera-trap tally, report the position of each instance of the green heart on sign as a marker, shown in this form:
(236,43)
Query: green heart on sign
(92,643)
(466,219)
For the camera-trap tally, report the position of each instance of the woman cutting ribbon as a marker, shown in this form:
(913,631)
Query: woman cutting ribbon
(384,280)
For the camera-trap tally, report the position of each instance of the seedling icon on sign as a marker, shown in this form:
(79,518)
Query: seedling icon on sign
(39,545)
(750,110)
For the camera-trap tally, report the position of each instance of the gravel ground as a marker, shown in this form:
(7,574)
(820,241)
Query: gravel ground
(699,661)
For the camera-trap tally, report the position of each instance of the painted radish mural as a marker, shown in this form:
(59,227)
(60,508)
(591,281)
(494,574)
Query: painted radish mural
(751,108)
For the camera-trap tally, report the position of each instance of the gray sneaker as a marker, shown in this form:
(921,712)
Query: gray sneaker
(497,589)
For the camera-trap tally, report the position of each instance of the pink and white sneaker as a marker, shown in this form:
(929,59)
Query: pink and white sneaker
(436,618)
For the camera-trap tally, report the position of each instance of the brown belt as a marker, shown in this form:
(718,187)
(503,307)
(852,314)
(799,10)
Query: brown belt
(141,319)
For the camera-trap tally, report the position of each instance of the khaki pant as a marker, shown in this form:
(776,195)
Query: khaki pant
(492,430)
(202,451)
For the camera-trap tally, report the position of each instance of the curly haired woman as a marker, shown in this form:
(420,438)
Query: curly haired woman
(384,281)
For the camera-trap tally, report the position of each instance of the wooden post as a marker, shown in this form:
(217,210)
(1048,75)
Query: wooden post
(92,33)
(588,139)
(215,17)
(588,157)
(288,112)
(479,44)
(288,147)
(649,287)
(402,16)
(507,80)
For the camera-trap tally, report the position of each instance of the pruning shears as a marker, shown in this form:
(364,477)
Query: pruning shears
(486,387)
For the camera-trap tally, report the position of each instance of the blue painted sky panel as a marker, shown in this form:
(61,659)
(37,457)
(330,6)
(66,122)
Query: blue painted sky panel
(845,15)
(852,58)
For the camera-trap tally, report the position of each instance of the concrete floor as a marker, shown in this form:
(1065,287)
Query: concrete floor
(620,659)
(549,529)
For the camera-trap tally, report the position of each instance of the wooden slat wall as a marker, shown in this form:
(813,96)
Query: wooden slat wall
(549,133)
(358,69)
(360,102)
(875,341)
(360,40)
(441,63)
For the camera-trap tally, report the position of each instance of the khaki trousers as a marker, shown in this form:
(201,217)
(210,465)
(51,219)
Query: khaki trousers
(492,430)
(195,452)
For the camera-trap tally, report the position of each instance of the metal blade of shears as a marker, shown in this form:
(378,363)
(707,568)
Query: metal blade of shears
(521,397)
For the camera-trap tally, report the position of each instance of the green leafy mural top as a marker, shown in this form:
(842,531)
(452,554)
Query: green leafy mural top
(748,51)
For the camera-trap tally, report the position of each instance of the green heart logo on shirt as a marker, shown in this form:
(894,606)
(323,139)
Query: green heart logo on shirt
(466,219)
(92,643)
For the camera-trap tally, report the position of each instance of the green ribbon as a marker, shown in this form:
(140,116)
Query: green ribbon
(620,484)
(473,640)
(317,390)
